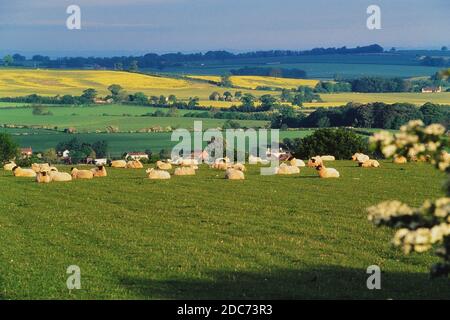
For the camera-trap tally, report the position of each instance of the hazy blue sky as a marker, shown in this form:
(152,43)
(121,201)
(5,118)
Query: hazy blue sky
(139,26)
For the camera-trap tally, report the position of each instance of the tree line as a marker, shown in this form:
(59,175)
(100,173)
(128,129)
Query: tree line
(153,60)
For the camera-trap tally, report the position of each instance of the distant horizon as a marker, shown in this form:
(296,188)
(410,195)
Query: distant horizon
(108,53)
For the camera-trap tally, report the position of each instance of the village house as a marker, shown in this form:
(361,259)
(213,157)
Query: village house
(432,89)
(136,155)
(26,152)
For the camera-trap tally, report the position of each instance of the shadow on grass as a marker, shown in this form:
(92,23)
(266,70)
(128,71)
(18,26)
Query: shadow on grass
(316,283)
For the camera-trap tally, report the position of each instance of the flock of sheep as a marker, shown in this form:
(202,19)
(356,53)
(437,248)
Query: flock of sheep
(45,173)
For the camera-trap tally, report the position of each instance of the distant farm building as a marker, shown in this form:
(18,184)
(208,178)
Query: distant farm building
(432,89)
(26,152)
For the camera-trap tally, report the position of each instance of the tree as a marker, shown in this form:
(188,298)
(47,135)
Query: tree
(134,66)
(248,100)
(100,148)
(115,89)
(342,143)
(89,95)
(8,60)
(215,96)
(172,99)
(228,96)
(444,48)
(50,155)
(139,98)
(8,148)
(19,58)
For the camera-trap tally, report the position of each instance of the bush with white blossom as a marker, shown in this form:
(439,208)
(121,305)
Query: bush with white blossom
(427,227)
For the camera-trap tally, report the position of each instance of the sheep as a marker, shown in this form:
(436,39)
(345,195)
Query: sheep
(60,176)
(369,164)
(327,158)
(39,167)
(185,171)
(296,162)
(233,174)
(118,164)
(43,177)
(220,166)
(163,166)
(9,166)
(239,166)
(19,172)
(189,162)
(315,161)
(81,174)
(400,159)
(360,157)
(327,172)
(222,160)
(134,164)
(100,171)
(54,169)
(157,174)
(285,169)
(255,160)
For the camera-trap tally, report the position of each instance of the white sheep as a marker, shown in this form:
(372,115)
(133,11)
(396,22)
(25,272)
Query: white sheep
(60,176)
(327,172)
(157,174)
(284,169)
(233,174)
(9,166)
(184,171)
(27,173)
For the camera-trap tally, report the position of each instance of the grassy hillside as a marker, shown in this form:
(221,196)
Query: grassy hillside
(93,118)
(189,238)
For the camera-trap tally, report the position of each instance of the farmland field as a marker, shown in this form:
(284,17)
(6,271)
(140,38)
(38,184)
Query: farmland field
(20,82)
(206,237)
(94,118)
(118,143)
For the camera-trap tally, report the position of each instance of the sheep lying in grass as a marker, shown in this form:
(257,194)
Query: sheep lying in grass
(100,171)
(40,167)
(327,172)
(221,166)
(27,173)
(9,166)
(43,177)
(239,166)
(315,161)
(371,163)
(255,160)
(327,158)
(163,166)
(134,164)
(60,176)
(360,157)
(157,174)
(233,174)
(400,159)
(118,164)
(286,169)
(81,174)
(297,163)
(185,171)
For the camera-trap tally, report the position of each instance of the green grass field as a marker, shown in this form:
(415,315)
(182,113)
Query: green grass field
(206,237)
(118,143)
(92,118)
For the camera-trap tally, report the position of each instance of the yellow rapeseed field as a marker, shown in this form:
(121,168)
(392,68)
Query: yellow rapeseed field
(51,82)
(252,82)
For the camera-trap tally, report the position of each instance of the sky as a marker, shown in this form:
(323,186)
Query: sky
(132,27)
